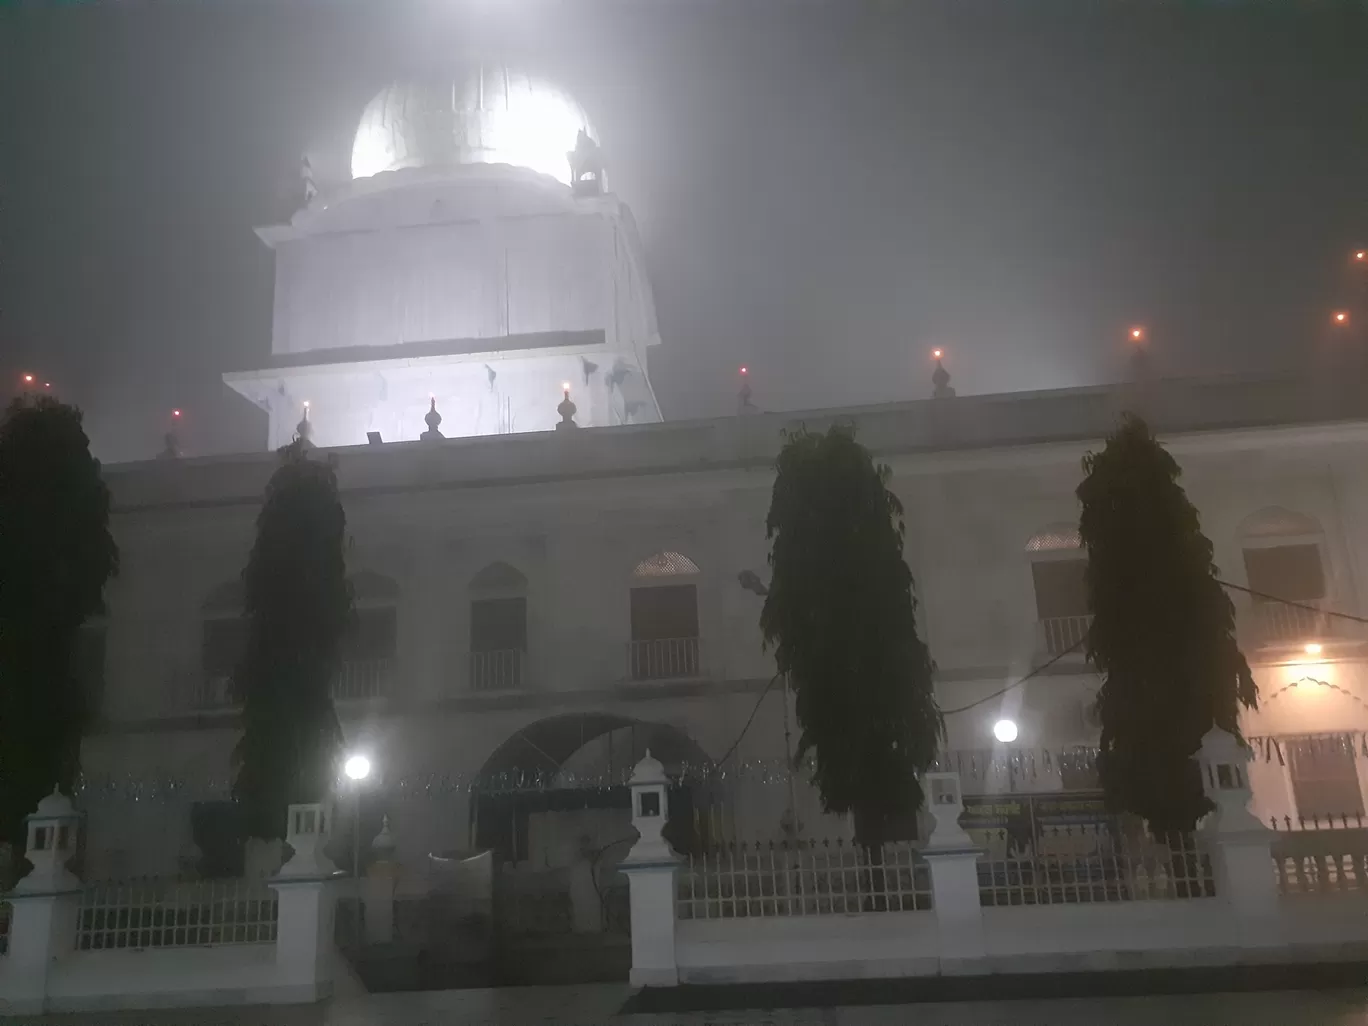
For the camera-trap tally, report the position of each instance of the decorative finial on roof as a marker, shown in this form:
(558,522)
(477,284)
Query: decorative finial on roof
(940,377)
(433,420)
(743,397)
(304,429)
(567,410)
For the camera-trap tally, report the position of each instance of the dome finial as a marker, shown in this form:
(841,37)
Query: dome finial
(940,377)
(304,429)
(432,420)
(567,410)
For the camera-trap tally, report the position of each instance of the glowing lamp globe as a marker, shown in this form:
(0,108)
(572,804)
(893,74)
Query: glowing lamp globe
(1005,731)
(357,767)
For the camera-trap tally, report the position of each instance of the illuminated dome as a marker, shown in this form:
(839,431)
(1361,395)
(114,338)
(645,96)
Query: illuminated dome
(491,115)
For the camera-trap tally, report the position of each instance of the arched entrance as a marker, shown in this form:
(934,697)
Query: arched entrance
(559,781)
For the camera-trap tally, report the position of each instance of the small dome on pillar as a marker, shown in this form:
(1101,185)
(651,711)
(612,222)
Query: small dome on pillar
(433,420)
(649,771)
(567,410)
(304,429)
(55,805)
(940,381)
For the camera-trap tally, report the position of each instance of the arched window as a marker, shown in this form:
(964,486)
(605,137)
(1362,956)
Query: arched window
(1058,566)
(369,648)
(223,639)
(1285,567)
(89,665)
(498,628)
(664,612)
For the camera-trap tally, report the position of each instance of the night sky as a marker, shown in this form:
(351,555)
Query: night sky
(825,189)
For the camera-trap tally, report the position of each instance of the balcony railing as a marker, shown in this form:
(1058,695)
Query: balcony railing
(1276,623)
(362,679)
(1060,634)
(497,670)
(357,679)
(663,659)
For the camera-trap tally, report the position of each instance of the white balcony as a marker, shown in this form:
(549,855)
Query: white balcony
(663,659)
(1057,635)
(361,679)
(497,670)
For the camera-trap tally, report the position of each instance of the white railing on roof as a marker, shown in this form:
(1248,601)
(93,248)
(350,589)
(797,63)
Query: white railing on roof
(498,670)
(807,878)
(1060,634)
(159,913)
(1115,870)
(663,659)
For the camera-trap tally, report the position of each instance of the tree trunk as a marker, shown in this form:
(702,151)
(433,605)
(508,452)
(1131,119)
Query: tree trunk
(871,831)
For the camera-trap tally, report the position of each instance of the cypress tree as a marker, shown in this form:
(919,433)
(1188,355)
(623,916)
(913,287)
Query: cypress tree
(56,555)
(841,618)
(1163,630)
(298,604)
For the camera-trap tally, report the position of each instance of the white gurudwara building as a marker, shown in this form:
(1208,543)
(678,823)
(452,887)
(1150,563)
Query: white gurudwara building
(537,607)
(461,267)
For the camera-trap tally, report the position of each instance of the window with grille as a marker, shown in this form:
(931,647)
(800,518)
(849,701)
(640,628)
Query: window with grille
(373,635)
(1060,590)
(1292,572)
(667,611)
(89,665)
(222,643)
(498,624)
(1324,779)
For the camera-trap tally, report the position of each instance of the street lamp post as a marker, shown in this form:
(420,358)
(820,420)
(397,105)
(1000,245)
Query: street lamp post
(751,582)
(358,769)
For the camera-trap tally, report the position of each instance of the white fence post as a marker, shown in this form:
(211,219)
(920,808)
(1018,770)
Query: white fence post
(306,898)
(1239,846)
(44,906)
(650,867)
(953,859)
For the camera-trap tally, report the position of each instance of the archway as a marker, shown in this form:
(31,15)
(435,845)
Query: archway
(561,779)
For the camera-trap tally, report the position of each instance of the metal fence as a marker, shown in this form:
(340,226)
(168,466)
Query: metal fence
(1144,869)
(1342,821)
(1322,874)
(159,913)
(663,659)
(802,879)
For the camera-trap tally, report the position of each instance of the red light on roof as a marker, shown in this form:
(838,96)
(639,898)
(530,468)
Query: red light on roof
(175,413)
(28,379)
(936,354)
(1341,317)
(1137,334)
(745,371)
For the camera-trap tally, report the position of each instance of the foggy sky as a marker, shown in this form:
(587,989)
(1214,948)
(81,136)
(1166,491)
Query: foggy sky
(825,189)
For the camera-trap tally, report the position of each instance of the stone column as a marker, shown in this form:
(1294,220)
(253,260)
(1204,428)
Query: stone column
(650,867)
(45,906)
(953,859)
(1239,845)
(306,896)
